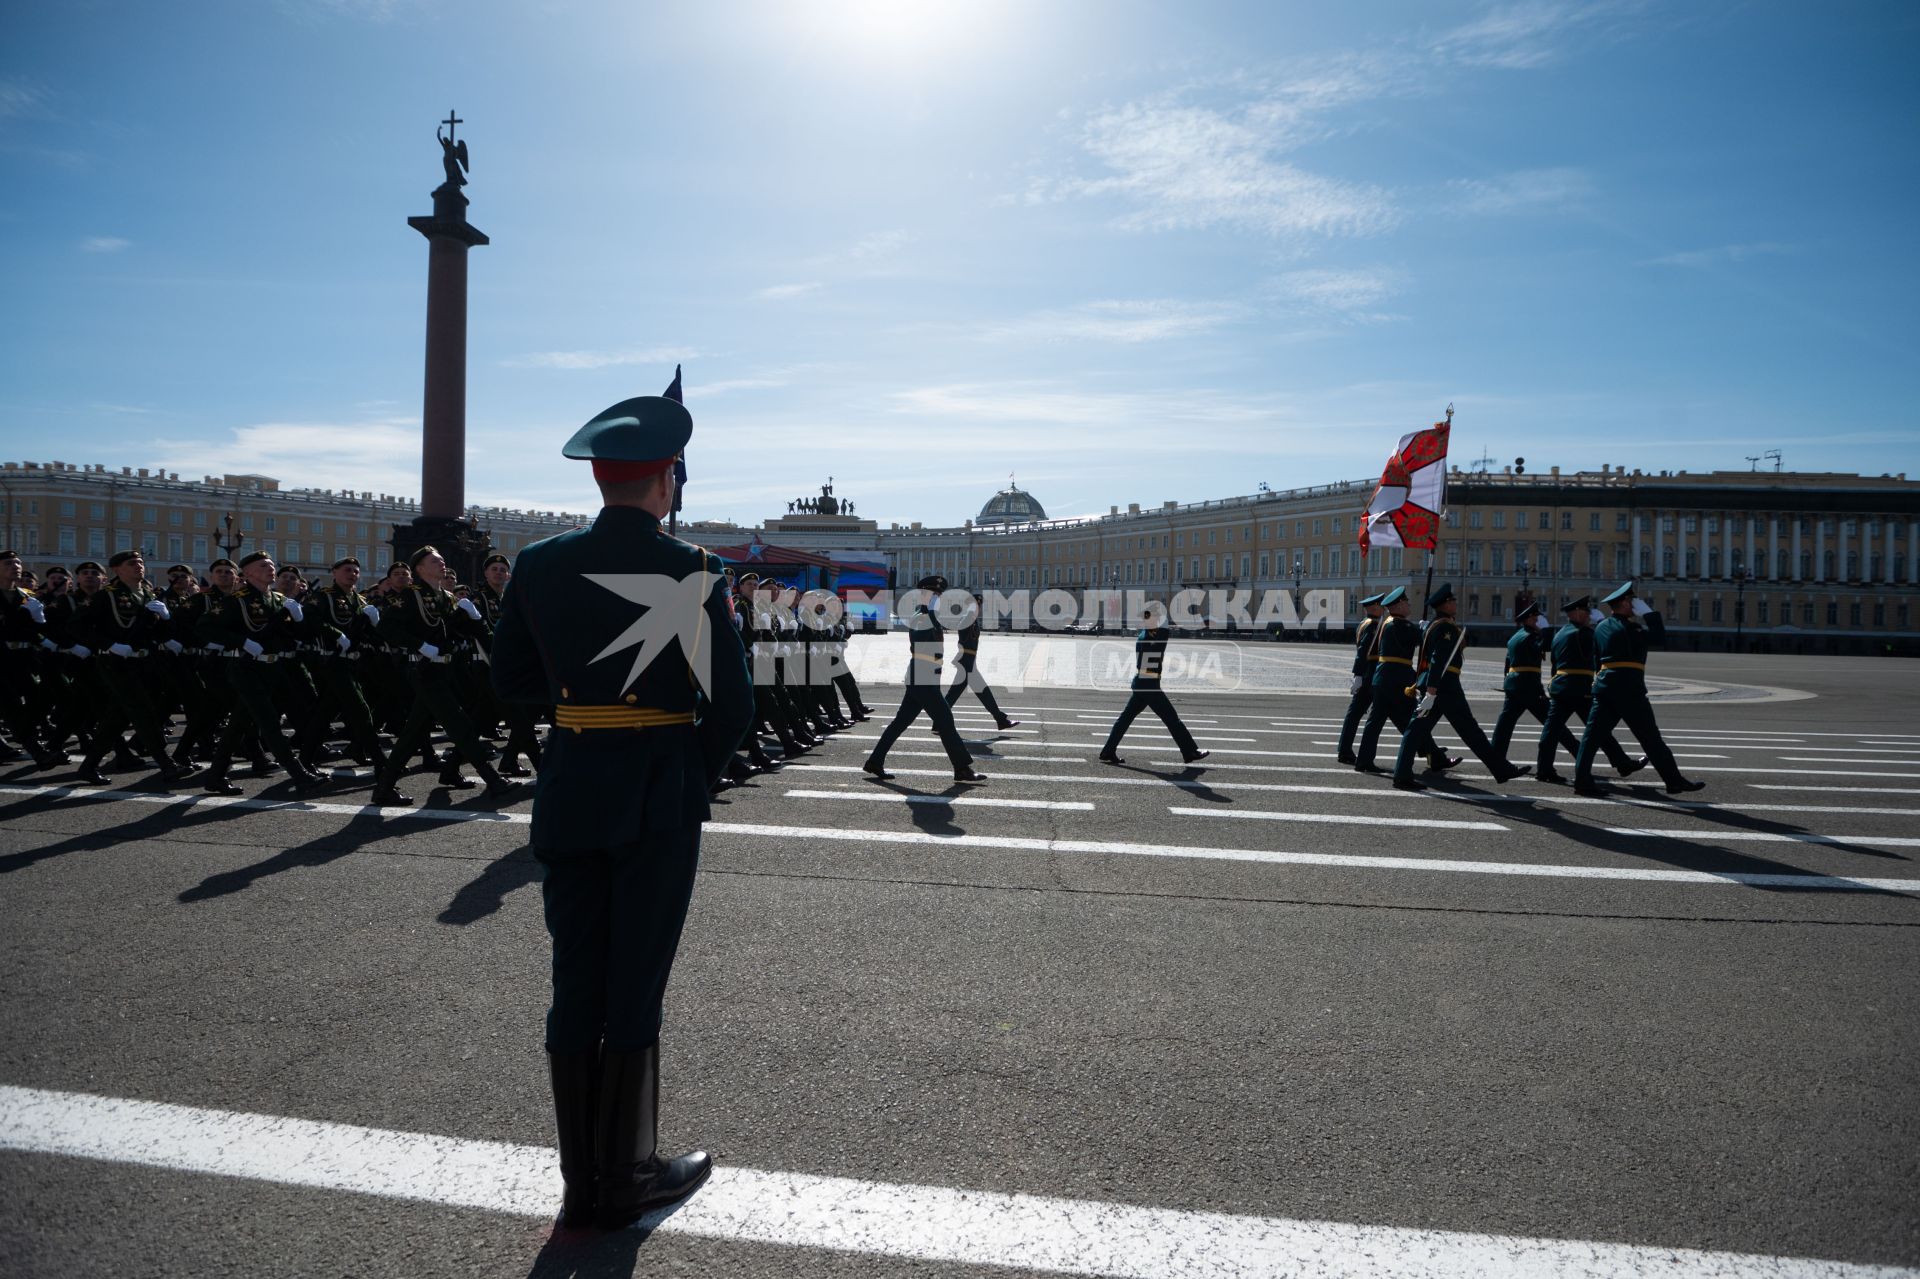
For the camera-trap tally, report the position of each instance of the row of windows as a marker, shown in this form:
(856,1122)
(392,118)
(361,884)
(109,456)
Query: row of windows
(1722,612)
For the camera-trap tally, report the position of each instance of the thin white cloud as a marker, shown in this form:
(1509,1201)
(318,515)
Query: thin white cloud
(1719,255)
(1183,166)
(781,292)
(873,247)
(104,244)
(1351,294)
(1523,191)
(20,97)
(600,359)
(1150,320)
(1103,411)
(383,454)
(1514,37)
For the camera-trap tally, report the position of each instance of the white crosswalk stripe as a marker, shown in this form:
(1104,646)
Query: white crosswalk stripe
(839,1214)
(943,801)
(1343,819)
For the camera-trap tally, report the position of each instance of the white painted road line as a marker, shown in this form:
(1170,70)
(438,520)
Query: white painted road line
(1843,790)
(1823,759)
(194,799)
(1337,819)
(1269,856)
(1100,737)
(942,801)
(1767,837)
(842,1214)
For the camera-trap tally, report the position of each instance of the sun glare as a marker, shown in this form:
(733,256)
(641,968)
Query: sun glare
(896,30)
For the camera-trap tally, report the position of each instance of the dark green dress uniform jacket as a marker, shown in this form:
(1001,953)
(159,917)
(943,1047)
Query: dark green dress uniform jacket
(1398,644)
(118,614)
(1363,655)
(249,614)
(424,614)
(1436,647)
(1616,642)
(1149,658)
(563,641)
(1527,648)
(1573,661)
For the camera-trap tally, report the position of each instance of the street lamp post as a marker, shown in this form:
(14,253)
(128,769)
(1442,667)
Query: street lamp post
(1740,578)
(229,543)
(1296,590)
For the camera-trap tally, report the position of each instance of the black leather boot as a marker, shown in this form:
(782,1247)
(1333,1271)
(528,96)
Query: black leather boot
(91,772)
(215,781)
(634,1179)
(576,1078)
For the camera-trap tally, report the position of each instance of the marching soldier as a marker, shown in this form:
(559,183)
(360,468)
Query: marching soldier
(621,792)
(1366,660)
(1149,659)
(964,662)
(339,627)
(260,631)
(1571,694)
(23,632)
(927,643)
(522,735)
(1395,647)
(122,624)
(1441,657)
(429,626)
(1526,653)
(1620,691)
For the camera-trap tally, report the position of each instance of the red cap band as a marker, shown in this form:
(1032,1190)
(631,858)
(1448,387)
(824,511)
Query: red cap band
(607,471)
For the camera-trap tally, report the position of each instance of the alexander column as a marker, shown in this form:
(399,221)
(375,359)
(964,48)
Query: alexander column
(442,520)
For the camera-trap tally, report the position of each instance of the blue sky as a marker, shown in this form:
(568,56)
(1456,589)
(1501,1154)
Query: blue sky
(1130,252)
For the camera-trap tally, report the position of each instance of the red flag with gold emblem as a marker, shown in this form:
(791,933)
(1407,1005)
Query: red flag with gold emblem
(1412,494)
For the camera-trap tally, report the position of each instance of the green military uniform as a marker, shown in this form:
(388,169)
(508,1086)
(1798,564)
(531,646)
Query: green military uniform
(1442,655)
(258,633)
(1522,685)
(1620,695)
(340,635)
(428,626)
(610,625)
(1394,651)
(1571,694)
(966,676)
(1366,659)
(24,646)
(124,626)
(521,720)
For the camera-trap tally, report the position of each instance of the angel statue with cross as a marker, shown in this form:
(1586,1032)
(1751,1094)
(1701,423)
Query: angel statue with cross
(453,155)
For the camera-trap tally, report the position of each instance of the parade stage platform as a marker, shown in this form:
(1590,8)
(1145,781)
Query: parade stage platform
(1261,1015)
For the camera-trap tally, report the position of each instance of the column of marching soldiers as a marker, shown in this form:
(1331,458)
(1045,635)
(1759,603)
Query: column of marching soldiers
(252,664)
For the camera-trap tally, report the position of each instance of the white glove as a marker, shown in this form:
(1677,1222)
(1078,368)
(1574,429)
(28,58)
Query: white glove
(467,607)
(172,646)
(293,608)
(1540,622)
(80,650)
(215,648)
(159,610)
(120,650)
(1641,608)
(1353,685)
(429,651)
(252,649)
(49,645)
(35,609)
(372,615)
(342,640)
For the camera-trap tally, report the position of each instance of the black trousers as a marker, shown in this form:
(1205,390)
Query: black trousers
(1357,707)
(968,678)
(1450,700)
(915,698)
(1390,704)
(436,696)
(1527,699)
(1627,706)
(1151,699)
(615,918)
(126,701)
(340,698)
(1560,712)
(256,689)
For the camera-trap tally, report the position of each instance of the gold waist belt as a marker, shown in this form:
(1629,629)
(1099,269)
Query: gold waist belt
(1399,661)
(581,718)
(1623,666)
(1573,670)
(1524,670)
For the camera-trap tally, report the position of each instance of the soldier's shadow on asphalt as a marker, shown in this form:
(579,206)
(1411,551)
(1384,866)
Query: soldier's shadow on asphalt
(1189,779)
(488,891)
(586,1254)
(161,821)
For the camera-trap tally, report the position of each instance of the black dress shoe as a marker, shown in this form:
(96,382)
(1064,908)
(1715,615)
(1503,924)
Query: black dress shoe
(1590,791)
(1684,786)
(217,784)
(968,775)
(1197,756)
(389,797)
(1408,783)
(90,773)
(500,788)
(458,781)
(1550,777)
(1348,758)
(876,771)
(1511,772)
(1368,766)
(1633,766)
(1107,757)
(1441,763)
(514,770)
(1012,723)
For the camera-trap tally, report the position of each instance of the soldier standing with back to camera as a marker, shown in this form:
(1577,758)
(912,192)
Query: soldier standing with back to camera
(621,628)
